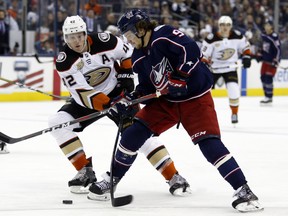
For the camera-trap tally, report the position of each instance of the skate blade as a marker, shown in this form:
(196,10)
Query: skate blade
(103,197)
(179,192)
(79,189)
(252,206)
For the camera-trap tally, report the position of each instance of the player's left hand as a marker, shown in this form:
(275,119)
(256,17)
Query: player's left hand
(246,61)
(125,80)
(121,107)
(177,86)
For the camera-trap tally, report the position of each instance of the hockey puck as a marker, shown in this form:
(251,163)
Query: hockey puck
(67,201)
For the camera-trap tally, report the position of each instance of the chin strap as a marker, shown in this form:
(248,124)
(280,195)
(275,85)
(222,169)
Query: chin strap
(142,38)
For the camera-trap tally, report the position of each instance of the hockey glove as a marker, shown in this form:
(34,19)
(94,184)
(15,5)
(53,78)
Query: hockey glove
(246,61)
(122,111)
(125,78)
(177,86)
(120,107)
(275,63)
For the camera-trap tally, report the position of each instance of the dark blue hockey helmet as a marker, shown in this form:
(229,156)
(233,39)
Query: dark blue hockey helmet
(128,21)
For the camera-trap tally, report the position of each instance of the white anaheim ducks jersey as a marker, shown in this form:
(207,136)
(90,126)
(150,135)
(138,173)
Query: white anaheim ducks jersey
(88,74)
(223,53)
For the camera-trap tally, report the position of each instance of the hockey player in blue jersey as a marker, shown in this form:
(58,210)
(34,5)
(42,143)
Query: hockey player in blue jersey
(164,58)
(270,57)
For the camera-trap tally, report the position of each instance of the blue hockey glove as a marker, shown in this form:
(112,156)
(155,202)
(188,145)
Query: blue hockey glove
(121,110)
(120,107)
(177,86)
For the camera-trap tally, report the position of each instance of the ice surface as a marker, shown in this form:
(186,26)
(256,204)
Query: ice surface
(34,176)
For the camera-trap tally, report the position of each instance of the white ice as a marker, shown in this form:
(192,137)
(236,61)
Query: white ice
(34,176)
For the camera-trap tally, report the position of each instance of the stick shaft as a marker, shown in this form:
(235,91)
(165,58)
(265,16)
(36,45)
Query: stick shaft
(10,140)
(31,88)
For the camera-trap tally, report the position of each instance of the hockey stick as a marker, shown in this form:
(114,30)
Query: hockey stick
(230,66)
(124,200)
(36,56)
(41,62)
(31,88)
(11,140)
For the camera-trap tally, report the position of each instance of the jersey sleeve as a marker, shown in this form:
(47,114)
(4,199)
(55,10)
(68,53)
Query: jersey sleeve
(123,52)
(207,50)
(244,46)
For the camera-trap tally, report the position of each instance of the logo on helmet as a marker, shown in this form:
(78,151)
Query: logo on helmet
(129,14)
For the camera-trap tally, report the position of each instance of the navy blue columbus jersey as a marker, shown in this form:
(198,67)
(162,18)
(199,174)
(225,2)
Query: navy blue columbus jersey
(270,47)
(171,51)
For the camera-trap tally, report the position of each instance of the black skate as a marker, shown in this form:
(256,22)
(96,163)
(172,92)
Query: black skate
(246,200)
(101,190)
(234,119)
(82,181)
(266,101)
(179,186)
(3,148)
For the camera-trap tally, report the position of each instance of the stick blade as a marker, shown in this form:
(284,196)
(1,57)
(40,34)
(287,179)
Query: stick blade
(122,201)
(5,138)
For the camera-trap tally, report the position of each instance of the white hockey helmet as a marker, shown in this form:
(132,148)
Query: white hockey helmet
(225,20)
(73,24)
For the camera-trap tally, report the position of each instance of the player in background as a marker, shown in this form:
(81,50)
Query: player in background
(3,148)
(165,57)
(221,51)
(87,66)
(270,56)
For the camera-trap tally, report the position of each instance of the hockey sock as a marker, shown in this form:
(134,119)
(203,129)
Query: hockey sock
(234,109)
(267,82)
(159,157)
(123,160)
(73,150)
(219,156)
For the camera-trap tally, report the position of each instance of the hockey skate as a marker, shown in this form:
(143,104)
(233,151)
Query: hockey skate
(3,148)
(179,186)
(234,119)
(83,179)
(266,101)
(246,200)
(101,190)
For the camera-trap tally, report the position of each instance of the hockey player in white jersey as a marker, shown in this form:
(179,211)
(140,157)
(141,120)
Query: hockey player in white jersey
(88,66)
(221,52)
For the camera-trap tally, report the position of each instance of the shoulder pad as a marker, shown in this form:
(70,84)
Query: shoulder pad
(274,34)
(236,35)
(237,32)
(65,59)
(104,37)
(102,42)
(210,36)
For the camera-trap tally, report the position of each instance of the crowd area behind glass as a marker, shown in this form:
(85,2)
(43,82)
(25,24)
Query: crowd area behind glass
(196,18)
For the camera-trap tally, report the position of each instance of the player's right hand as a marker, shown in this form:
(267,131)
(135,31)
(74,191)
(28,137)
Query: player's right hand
(177,86)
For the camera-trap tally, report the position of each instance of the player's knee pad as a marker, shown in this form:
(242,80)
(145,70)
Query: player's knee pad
(66,132)
(124,156)
(233,90)
(214,151)
(135,136)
